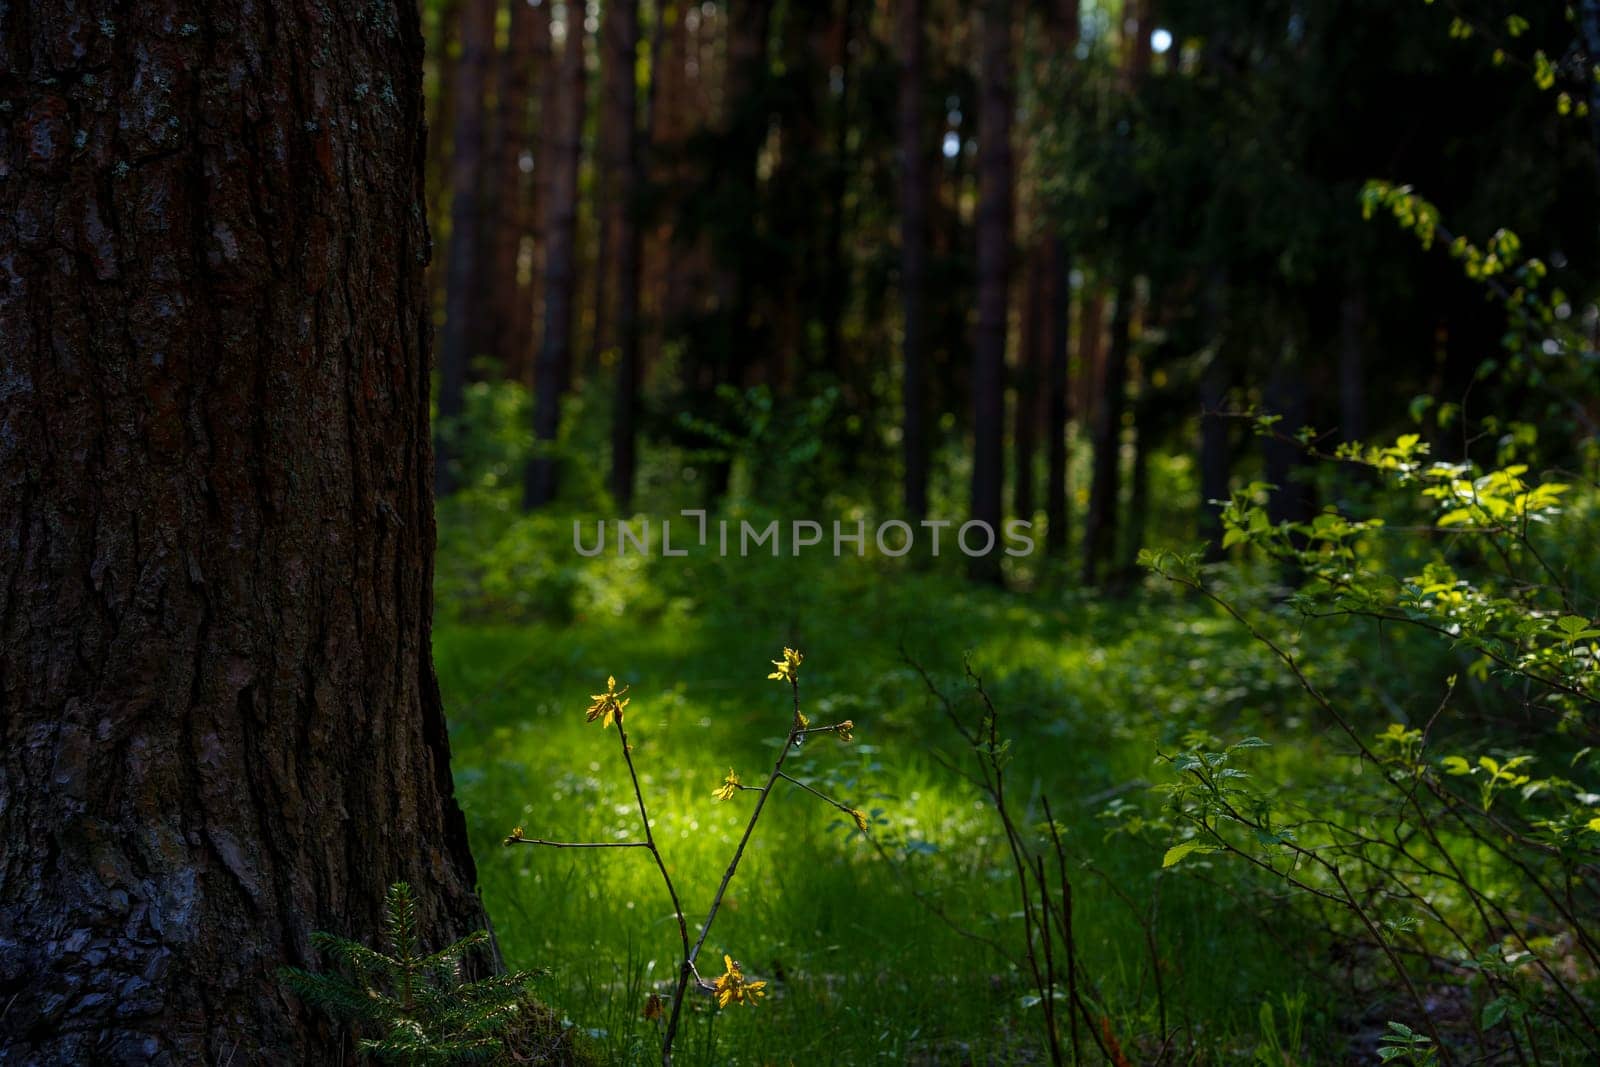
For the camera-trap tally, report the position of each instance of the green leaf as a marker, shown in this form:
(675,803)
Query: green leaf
(1495,1010)
(1176,853)
(1572,625)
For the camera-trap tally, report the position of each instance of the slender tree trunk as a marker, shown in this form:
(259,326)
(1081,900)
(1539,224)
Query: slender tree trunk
(1091,355)
(670,122)
(548,123)
(1058,295)
(1589,30)
(836,267)
(1214,452)
(509,299)
(1030,374)
(1100,525)
(744,132)
(1064,28)
(801,191)
(463,306)
(553,370)
(611,158)
(440,52)
(1352,376)
(621,102)
(913,253)
(1215,460)
(219,723)
(1285,395)
(1145,419)
(994,266)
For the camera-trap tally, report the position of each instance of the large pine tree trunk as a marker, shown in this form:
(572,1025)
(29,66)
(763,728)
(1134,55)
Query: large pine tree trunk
(914,254)
(994,275)
(219,724)
(553,368)
(463,303)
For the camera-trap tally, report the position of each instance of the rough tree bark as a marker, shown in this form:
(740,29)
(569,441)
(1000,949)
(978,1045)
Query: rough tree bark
(463,302)
(553,367)
(994,275)
(219,723)
(913,253)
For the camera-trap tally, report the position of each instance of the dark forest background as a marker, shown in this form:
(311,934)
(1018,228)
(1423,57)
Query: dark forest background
(997,259)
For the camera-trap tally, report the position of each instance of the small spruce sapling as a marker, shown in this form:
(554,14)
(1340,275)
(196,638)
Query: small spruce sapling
(420,1004)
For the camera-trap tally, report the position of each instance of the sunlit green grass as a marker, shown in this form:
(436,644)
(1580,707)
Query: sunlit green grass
(860,969)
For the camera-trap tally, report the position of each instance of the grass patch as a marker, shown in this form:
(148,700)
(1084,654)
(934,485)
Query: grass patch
(861,970)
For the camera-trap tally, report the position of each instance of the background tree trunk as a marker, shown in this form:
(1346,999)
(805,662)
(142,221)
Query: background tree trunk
(1352,359)
(994,267)
(1215,462)
(913,254)
(510,300)
(543,92)
(441,109)
(1030,372)
(1286,394)
(219,723)
(553,369)
(1063,29)
(734,243)
(1100,524)
(1058,409)
(622,104)
(463,305)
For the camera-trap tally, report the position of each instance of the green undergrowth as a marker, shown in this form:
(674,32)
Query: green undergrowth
(875,954)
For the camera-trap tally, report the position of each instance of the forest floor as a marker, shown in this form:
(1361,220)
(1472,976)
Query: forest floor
(861,945)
